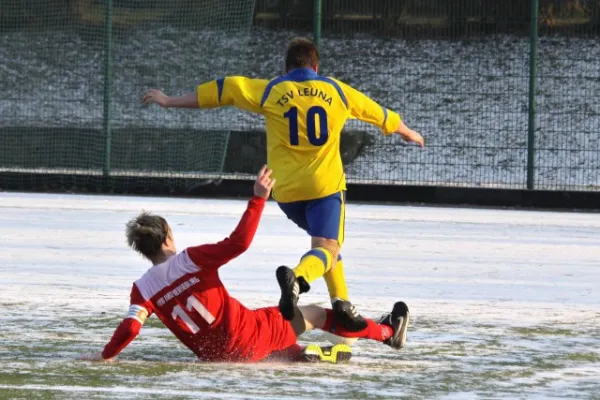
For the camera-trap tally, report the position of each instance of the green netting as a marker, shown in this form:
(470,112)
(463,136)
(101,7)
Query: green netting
(52,83)
(567,140)
(457,70)
(174,48)
(67,111)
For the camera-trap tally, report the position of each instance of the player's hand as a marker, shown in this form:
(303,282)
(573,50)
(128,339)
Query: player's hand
(93,357)
(156,96)
(413,136)
(264,183)
(409,135)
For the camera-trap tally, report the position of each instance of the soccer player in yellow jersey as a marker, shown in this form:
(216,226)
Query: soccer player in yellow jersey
(305,113)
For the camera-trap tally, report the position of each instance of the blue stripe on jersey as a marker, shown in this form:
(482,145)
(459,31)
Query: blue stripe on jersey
(220,83)
(336,86)
(302,75)
(270,86)
(384,116)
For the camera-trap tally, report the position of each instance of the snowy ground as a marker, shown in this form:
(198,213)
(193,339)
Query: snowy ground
(503,302)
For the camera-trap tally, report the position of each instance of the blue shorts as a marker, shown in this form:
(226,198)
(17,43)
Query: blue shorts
(324,217)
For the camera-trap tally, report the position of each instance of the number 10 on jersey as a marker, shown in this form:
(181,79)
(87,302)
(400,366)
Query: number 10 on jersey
(311,126)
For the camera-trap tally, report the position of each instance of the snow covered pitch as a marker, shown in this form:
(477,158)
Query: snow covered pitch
(504,304)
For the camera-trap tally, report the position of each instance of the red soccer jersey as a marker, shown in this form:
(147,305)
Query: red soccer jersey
(186,293)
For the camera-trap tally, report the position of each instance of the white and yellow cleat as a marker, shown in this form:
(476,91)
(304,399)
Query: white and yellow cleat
(337,354)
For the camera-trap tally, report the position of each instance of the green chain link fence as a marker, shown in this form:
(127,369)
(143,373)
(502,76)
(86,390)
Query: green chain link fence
(505,92)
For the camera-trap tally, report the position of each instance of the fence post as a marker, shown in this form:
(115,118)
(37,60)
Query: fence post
(108,71)
(532,95)
(317,19)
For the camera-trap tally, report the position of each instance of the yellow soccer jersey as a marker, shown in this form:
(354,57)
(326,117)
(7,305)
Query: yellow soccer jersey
(304,114)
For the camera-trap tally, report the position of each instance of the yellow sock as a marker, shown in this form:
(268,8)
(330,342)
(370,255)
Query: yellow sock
(336,282)
(314,264)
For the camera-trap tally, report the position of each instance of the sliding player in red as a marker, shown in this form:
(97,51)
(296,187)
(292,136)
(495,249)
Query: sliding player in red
(304,113)
(185,292)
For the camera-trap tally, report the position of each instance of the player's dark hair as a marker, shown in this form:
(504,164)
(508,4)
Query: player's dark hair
(146,233)
(301,53)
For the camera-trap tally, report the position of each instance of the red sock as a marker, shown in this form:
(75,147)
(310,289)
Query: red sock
(373,331)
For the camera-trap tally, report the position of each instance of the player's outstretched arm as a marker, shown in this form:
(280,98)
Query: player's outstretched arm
(155,96)
(237,91)
(366,109)
(127,330)
(124,334)
(213,256)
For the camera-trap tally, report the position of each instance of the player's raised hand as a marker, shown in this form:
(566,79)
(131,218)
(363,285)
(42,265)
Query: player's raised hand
(155,96)
(264,183)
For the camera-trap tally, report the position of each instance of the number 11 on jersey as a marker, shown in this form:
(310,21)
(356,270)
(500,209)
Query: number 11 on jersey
(192,304)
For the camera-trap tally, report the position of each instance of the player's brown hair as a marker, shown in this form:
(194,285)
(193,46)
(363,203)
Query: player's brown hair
(146,234)
(301,53)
